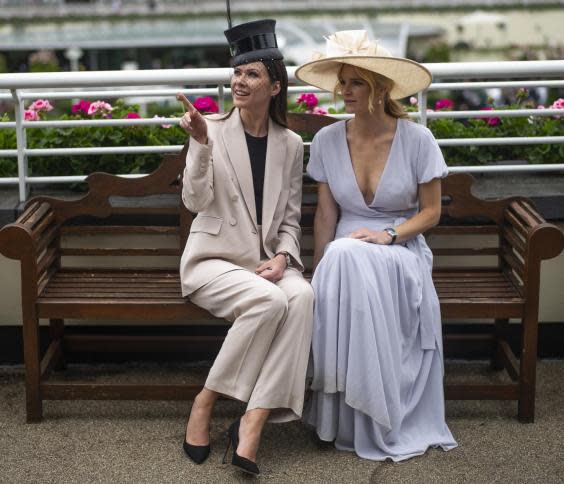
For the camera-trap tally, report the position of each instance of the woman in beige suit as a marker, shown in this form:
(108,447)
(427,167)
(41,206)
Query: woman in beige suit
(241,262)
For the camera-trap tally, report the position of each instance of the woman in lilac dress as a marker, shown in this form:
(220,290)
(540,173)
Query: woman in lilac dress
(377,345)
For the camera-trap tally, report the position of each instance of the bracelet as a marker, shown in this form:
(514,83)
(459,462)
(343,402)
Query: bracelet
(287,257)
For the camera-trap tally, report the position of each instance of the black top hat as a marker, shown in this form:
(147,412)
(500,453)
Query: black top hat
(253,41)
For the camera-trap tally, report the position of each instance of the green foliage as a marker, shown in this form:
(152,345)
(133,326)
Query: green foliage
(84,137)
(43,61)
(3,64)
(8,166)
(508,127)
(157,135)
(437,52)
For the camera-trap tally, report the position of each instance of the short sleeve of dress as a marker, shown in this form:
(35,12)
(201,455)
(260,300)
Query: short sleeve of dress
(315,167)
(430,161)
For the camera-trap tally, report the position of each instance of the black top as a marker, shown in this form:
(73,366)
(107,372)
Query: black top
(257,154)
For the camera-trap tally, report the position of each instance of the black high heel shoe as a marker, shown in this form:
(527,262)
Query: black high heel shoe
(197,453)
(241,463)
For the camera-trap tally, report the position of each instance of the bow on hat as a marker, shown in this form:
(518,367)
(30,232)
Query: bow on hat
(349,43)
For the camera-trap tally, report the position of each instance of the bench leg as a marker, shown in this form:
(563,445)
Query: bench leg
(527,374)
(57,329)
(500,330)
(34,408)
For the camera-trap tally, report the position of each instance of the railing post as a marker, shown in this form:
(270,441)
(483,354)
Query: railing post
(21,139)
(422,104)
(221,97)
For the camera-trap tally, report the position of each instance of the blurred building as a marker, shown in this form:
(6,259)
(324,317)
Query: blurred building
(114,34)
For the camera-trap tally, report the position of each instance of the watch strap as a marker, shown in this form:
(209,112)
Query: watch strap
(393,234)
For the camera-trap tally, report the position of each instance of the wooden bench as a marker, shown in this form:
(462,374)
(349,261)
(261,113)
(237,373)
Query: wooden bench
(62,280)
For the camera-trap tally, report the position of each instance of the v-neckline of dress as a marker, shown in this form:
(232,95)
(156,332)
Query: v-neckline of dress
(350,164)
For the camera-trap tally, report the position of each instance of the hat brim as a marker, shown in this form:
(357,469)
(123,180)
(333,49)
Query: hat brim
(409,76)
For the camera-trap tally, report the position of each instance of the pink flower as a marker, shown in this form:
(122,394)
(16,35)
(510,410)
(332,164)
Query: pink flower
(165,126)
(318,110)
(41,105)
(206,104)
(540,106)
(31,115)
(132,116)
(429,110)
(491,121)
(413,100)
(444,104)
(309,99)
(558,104)
(99,107)
(81,106)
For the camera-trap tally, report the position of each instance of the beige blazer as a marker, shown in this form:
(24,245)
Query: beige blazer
(218,185)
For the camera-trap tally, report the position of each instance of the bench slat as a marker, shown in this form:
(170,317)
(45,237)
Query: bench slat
(78,251)
(523,214)
(463,230)
(36,215)
(516,224)
(514,263)
(514,241)
(134,297)
(118,229)
(465,251)
(131,290)
(64,284)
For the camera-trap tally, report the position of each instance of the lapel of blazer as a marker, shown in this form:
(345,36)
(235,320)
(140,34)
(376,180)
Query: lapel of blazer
(238,153)
(275,159)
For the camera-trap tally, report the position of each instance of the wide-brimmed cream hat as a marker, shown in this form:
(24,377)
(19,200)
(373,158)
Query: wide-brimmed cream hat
(354,48)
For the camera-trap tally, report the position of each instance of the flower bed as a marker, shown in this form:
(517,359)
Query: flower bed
(487,127)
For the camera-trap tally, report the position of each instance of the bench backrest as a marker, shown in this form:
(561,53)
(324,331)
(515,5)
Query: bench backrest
(112,218)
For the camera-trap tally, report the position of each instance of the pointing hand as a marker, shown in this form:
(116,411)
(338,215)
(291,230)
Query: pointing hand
(193,122)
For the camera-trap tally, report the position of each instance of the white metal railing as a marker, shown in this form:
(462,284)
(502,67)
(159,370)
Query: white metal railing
(69,85)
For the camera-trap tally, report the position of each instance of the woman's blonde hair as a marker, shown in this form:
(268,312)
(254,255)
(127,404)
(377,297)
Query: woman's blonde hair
(374,80)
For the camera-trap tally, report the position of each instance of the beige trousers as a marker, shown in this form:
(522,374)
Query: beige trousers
(264,357)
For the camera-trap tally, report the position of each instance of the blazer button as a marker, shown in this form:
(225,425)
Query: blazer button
(232,221)
(254,232)
(235,197)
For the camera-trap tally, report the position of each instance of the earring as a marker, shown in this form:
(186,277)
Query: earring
(380,101)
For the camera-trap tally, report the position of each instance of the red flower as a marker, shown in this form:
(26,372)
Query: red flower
(132,116)
(206,104)
(309,99)
(82,105)
(491,121)
(444,104)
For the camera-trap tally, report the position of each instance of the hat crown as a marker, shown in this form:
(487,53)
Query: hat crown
(253,41)
(353,43)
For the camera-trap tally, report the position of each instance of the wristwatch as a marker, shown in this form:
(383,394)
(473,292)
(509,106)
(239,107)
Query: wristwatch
(287,256)
(392,233)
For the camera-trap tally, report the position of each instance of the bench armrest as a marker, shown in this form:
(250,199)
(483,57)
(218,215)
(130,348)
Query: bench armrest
(527,239)
(29,240)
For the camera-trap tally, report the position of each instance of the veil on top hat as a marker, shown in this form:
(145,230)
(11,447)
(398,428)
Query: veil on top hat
(353,47)
(252,41)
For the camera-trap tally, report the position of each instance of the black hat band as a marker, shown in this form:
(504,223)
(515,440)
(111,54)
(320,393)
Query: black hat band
(253,43)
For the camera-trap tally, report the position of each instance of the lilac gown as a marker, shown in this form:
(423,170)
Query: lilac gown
(377,359)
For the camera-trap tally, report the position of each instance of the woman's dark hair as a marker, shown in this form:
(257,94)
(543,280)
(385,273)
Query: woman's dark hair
(279,103)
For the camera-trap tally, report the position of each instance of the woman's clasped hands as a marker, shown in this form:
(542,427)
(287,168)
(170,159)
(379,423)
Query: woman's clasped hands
(372,236)
(273,269)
